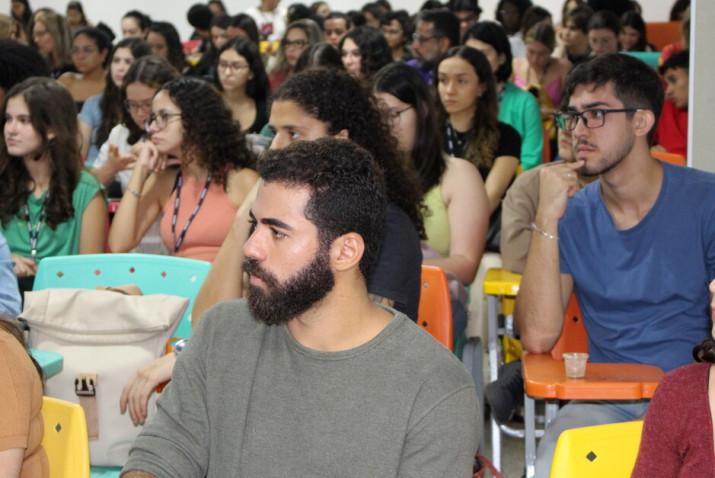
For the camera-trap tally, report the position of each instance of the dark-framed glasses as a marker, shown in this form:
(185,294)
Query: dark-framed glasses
(592,118)
(394,115)
(160,119)
(232,65)
(143,105)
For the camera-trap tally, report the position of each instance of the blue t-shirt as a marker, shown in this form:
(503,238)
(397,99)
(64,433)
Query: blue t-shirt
(9,294)
(644,291)
(92,115)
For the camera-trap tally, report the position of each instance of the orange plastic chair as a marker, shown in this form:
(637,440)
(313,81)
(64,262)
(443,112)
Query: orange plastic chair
(661,34)
(435,309)
(671,158)
(545,379)
(546,151)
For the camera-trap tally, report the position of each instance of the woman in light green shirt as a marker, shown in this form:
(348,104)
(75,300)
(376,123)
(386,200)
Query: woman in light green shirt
(48,205)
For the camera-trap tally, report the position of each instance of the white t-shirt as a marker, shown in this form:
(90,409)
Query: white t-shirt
(271,25)
(117,137)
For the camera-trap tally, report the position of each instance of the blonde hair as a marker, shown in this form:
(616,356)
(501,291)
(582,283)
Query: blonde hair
(57,28)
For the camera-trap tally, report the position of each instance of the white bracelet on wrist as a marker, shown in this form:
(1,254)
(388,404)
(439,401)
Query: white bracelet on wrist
(536,228)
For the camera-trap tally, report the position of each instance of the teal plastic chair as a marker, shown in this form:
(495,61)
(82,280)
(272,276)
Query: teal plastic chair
(650,58)
(152,273)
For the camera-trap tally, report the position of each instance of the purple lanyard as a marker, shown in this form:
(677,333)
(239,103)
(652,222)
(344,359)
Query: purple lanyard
(34,231)
(177,203)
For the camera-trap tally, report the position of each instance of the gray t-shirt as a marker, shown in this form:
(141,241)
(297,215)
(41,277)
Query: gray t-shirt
(247,400)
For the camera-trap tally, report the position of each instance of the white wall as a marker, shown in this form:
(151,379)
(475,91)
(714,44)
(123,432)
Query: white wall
(174,11)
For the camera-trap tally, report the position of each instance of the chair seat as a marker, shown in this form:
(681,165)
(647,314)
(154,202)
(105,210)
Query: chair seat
(545,377)
(501,282)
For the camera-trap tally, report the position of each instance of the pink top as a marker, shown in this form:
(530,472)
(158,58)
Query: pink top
(210,226)
(678,431)
(554,90)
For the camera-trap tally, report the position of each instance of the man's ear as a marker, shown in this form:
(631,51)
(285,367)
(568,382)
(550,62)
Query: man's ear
(643,122)
(342,134)
(346,252)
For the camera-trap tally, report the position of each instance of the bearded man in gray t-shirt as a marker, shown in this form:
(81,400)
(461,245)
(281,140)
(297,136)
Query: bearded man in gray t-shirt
(309,377)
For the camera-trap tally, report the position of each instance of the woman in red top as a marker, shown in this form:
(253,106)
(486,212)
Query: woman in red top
(678,432)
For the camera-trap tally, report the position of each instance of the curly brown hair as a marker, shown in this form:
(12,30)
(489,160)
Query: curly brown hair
(211,135)
(51,109)
(705,352)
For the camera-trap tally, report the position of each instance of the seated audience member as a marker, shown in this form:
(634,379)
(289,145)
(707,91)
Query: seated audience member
(574,35)
(467,12)
(396,28)
(10,300)
(135,24)
(457,212)
(319,55)
(311,105)
(21,12)
(633,35)
(190,126)
(436,31)
(90,49)
(335,26)
(468,109)
(164,41)
(76,19)
(51,37)
(49,206)
(243,26)
(18,62)
(336,382)
(217,7)
(364,51)
(603,30)
(321,9)
(242,79)
(684,42)
(636,246)
(517,108)
(270,19)
(678,433)
(199,16)
(299,36)
(510,14)
(373,14)
(21,452)
(101,113)
(672,132)
(139,85)
(218,37)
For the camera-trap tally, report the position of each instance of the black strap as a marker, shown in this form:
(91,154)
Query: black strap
(177,203)
(34,230)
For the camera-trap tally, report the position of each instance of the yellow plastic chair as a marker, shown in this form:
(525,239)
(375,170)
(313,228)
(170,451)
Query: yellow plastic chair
(597,452)
(65,438)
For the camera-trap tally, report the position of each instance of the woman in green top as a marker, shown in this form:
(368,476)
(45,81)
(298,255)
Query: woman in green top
(458,209)
(48,205)
(517,108)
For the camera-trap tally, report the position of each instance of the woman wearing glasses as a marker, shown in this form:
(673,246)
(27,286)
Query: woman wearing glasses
(242,79)
(190,126)
(101,113)
(49,206)
(140,84)
(458,210)
(299,36)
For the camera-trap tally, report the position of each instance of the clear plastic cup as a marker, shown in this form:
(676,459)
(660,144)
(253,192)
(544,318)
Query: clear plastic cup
(575,364)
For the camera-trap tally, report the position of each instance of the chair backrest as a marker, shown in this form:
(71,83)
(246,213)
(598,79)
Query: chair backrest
(671,158)
(65,439)
(573,335)
(153,274)
(599,451)
(546,151)
(661,34)
(650,58)
(435,309)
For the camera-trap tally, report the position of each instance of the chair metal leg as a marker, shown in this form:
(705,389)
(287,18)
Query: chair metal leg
(493,349)
(530,436)
(472,357)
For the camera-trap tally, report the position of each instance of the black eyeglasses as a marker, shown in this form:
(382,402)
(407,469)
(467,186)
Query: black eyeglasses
(592,118)
(161,119)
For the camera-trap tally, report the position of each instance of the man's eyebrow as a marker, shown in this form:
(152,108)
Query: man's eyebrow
(270,222)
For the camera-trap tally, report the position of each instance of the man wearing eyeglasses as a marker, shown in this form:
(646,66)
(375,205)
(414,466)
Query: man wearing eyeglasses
(436,31)
(637,246)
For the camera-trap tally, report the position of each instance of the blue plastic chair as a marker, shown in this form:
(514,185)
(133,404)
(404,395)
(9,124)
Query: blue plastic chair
(153,274)
(650,58)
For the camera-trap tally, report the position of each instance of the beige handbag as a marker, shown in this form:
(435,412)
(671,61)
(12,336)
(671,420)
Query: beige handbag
(104,337)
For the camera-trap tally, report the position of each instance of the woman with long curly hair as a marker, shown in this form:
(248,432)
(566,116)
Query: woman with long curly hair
(101,113)
(364,51)
(678,432)
(141,82)
(49,206)
(242,79)
(190,127)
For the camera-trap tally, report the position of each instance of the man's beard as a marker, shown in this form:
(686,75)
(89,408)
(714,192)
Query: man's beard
(279,303)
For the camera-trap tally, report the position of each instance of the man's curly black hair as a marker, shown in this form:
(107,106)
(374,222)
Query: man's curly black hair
(340,101)
(211,136)
(347,189)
